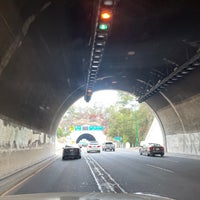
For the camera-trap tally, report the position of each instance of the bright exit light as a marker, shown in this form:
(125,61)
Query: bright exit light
(105,15)
(103,27)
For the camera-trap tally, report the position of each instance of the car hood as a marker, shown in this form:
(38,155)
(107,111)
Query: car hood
(84,196)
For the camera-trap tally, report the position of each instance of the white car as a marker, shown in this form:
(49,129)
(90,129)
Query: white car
(93,146)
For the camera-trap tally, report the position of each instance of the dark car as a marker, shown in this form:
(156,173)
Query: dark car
(70,152)
(152,149)
(108,146)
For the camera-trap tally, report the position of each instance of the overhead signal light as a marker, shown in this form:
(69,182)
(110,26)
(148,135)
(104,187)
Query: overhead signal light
(106,15)
(103,27)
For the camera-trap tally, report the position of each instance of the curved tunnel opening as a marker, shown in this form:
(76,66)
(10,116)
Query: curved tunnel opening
(130,106)
(85,136)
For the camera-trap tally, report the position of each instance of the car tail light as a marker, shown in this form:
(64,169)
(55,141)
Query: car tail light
(162,148)
(98,146)
(151,148)
(90,146)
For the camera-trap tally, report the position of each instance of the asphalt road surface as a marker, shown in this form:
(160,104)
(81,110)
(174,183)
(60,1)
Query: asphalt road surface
(123,171)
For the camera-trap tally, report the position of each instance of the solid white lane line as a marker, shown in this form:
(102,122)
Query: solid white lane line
(96,180)
(107,185)
(163,169)
(110,177)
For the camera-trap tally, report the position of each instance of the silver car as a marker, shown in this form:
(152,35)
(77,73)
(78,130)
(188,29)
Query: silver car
(108,146)
(93,146)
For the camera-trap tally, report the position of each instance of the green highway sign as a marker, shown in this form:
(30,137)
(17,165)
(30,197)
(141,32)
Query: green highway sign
(117,138)
(86,128)
(77,128)
(95,128)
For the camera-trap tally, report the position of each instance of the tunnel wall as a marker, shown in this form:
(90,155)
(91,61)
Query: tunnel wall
(181,125)
(186,126)
(21,147)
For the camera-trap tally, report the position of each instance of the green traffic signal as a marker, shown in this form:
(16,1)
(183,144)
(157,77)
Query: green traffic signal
(103,27)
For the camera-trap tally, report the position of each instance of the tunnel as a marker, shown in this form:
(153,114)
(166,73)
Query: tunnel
(86,136)
(54,52)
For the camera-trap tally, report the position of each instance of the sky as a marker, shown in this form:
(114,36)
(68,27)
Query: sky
(104,97)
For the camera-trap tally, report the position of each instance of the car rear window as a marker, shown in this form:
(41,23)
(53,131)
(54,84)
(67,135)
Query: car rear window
(155,145)
(94,143)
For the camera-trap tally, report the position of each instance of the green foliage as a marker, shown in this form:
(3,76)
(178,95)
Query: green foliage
(124,98)
(119,120)
(145,119)
(61,132)
(124,119)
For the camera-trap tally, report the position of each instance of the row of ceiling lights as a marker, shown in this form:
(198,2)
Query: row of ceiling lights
(102,28)
(177,74)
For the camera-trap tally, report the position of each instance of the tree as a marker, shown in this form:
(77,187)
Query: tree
(122,120)
(60,132)
(145,119)
(118,120)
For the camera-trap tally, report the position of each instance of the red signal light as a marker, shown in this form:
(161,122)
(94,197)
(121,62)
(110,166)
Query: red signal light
(106,15)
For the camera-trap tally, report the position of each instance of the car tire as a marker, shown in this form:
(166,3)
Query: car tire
(162,154)
(63,158)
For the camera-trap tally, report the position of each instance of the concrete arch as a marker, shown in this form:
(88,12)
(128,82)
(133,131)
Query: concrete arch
(76,136)
(86,136)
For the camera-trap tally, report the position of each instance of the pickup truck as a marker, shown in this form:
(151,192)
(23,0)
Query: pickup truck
(108,146)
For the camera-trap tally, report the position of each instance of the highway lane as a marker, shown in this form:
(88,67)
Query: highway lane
(119,172)
(60,176)
(173,177)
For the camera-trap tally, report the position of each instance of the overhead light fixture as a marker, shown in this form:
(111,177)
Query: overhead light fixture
(196,64)
(179,76)
(108,2)
(184,72)
(100,35)
(131,53)
(95,66)
(100,43)
(95,61)
(190,68)
(174,79)
(98,50)
(97,56)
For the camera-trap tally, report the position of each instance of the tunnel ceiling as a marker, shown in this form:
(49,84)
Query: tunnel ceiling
(46,50)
